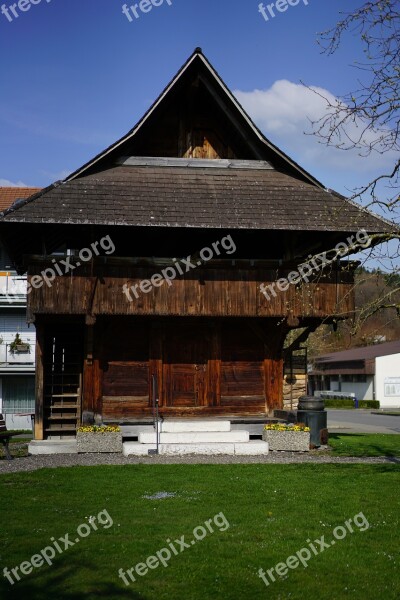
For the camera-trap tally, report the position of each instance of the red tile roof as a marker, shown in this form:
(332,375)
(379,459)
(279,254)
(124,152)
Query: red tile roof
(8,195)
(364,353)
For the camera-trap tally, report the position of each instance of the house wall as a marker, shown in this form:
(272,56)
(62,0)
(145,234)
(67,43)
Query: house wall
(203,367)
(216,290)
(363,391)
(387,379)
(17,369)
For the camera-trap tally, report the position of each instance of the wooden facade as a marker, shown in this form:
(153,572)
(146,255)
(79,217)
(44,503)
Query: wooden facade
(195,170)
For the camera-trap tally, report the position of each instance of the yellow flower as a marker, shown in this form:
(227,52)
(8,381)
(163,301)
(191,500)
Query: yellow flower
(97,429)
(283,427)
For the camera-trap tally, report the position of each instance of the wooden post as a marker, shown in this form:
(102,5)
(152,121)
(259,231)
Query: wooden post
(87,411)
(39,399)
(214,366)
(273,382)
(157,334)
(92,373)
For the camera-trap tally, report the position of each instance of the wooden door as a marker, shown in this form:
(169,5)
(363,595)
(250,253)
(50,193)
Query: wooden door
(185,367)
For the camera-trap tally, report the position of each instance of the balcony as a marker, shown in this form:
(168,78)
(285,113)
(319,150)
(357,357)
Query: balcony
(13,289)
(19,361)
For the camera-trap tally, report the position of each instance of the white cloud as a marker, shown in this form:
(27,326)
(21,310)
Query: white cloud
(284,111)
(7,183)
(57,175)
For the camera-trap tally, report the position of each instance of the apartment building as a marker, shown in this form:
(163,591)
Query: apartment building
(17,338)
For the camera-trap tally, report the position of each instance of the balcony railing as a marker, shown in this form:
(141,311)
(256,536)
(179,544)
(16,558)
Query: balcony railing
(19,359)
(13,288)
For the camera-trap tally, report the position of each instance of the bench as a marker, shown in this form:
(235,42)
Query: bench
(5,436)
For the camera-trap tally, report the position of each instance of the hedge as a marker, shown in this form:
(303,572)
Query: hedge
(339,403)
(349,403)
(368,404)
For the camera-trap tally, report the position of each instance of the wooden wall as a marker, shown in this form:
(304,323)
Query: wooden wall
(203,367)
(202,292)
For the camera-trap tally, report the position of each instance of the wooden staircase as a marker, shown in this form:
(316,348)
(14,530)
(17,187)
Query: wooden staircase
(63,383)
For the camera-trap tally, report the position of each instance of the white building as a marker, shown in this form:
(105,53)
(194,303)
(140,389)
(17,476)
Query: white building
(17,360)
(371,373)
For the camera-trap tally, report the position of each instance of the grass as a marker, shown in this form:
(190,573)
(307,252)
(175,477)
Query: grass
(365,444)
(272,511)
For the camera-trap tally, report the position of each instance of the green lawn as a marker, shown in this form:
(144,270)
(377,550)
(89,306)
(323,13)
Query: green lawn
(365,444)
(272,510)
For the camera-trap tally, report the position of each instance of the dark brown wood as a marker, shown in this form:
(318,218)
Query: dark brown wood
(185,364)
(203,367)
(201,292)
(40,329)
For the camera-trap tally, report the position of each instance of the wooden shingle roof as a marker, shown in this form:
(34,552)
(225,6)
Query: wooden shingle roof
(227,195)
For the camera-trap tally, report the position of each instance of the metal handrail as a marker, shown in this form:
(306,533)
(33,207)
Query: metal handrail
(155,402)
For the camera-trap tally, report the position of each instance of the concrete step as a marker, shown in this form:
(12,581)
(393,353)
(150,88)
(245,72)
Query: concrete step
(134,430)
(53,447)
(253,448)
(183,426)
(195,437)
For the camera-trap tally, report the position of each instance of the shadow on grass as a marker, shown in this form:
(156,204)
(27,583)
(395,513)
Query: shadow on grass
(364,444)
(54,584)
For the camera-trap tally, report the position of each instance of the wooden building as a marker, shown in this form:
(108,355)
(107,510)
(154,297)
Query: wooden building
(194,181)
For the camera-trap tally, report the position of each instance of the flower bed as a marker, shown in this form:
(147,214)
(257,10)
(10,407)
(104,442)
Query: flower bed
(99,439)
(289,438)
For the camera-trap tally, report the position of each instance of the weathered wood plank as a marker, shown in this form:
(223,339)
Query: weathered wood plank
(39,380)
(201,292)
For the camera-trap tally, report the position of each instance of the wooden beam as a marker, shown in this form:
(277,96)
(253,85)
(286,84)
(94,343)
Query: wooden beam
(39,400)
(303,337)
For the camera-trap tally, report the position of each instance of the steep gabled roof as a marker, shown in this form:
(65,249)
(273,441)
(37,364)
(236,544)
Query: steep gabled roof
(256,186)
(198,66)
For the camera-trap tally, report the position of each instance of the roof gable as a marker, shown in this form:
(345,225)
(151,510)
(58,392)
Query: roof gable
(252,184)
(196,116)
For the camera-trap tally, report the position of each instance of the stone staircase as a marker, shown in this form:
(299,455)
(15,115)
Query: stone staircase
(207,436)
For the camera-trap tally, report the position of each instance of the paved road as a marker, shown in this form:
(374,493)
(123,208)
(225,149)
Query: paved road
(361,421)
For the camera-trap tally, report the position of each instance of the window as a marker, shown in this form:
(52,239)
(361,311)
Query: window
(12,322)
(18,395)
(354,378)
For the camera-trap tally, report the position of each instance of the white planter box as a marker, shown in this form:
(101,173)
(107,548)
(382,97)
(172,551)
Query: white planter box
(291,441)
(109,441)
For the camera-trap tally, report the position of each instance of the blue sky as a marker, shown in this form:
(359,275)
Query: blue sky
(77,74)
